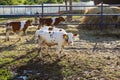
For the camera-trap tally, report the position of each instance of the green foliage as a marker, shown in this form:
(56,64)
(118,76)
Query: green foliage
(52,1)
(60,1)
(4,74)
(30,2)
(77,0)
(6,2)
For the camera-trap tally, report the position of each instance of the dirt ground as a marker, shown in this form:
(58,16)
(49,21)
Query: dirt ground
(92,57)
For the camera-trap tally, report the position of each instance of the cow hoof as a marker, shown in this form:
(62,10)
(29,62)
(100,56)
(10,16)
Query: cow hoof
(19,39)
(6,40)
(41,58)
(27,40)
(59,59)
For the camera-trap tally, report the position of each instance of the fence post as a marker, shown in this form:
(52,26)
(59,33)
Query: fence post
(42,10)
(3,10)
(36,18)
(59,11)
(101,17)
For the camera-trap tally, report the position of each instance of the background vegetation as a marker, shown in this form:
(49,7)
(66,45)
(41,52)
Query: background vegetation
(32,2)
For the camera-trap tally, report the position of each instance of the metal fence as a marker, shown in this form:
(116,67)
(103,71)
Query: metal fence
(54,10)
(46,9)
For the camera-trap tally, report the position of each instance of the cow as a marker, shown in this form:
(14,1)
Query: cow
(51,37)
(54,21)
(49,28)
(17,27)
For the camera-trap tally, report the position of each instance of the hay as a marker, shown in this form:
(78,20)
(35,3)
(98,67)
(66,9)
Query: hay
(97,19)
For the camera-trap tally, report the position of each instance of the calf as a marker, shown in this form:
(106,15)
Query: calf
(53,37)
(17,27)
(50,21)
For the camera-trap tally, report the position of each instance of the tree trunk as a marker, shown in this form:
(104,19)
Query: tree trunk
(66,5)
(70,11)
(69,18)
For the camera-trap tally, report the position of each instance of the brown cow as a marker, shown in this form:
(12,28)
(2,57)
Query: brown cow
(17,27)
(50,21)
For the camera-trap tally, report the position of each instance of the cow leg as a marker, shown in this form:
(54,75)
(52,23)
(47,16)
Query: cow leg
(59,51)
(39,51)
(39,26)
(40,44)
(25,34)
(18,34)
(46,47)
(7,35)
(63,51)
(62,48)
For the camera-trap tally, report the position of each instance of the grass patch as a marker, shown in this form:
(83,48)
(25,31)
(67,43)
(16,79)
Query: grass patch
(4,74)
(4,20)
(22,58)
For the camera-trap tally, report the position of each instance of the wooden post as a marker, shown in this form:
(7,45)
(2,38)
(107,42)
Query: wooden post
(101,17)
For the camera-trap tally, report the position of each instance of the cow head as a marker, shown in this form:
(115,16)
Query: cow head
(65,37)
(71,37)
(62,19)
(29,22)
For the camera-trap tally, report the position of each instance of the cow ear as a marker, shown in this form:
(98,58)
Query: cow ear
(75,34)
(65,36)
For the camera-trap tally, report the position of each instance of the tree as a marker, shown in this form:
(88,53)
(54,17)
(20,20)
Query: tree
(60,1)
(52,1)
(2,2)
(70,3)
(69,18)
(6,2)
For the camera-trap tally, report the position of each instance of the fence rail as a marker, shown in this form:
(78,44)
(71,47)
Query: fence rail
(46,10)
(43,10)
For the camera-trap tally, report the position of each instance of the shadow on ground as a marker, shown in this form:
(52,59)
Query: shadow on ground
(38,69)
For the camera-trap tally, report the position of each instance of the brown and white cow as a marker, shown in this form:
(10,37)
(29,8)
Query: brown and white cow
(17,27)
(54,21)
(53,36)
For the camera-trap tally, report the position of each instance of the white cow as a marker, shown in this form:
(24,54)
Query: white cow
(54,36)
(49,28)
